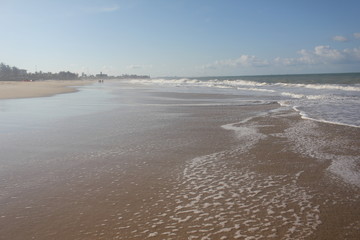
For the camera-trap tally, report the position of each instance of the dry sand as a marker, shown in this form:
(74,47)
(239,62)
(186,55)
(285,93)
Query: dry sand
(12,89)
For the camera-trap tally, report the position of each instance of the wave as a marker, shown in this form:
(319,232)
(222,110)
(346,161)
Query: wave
(242,83)
(327,103)
(312,97)
(239,83)
(293,95)
(257,89)
(164,81)
(335,87)
(355,88)
(304,115)
(317,97)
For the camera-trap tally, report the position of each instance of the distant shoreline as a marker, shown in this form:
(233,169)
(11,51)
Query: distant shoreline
(22,89)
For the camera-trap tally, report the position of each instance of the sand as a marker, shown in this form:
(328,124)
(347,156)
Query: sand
(158,167)
(12,89)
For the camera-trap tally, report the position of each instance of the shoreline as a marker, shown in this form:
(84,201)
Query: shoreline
(45,88)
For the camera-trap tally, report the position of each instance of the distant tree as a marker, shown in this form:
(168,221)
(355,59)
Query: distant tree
(8,73)
(67,75)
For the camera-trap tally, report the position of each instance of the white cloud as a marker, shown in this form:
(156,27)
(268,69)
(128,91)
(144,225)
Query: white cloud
(320,55)
(242,61)
(353,54)
(340,39)
(327,55)
(357,35)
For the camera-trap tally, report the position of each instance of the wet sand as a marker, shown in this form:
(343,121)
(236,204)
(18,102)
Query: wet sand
(15,89)
(161,168)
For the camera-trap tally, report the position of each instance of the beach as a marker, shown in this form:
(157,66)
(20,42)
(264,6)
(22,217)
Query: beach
(18,89)
(140,162)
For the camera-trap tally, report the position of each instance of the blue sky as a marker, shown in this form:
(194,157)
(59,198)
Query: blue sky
(181,37)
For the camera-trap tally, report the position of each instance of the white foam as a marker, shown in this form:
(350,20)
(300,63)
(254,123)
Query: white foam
(256,89)
(293,95)
(347,169)
(153,234)
(305,116)
(308,140)
(321,86)
(331,87)
(219,186)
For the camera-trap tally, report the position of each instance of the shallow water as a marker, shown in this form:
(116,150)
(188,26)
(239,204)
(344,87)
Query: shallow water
(117,161)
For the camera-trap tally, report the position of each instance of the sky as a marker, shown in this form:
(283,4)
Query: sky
(181,37)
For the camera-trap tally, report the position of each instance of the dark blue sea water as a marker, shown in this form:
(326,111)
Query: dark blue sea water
(333,98)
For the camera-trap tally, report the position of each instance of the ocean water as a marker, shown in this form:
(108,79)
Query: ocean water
(333,98)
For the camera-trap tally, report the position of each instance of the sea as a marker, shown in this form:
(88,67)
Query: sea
(331,98)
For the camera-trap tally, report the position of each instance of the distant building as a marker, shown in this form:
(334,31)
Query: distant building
(101,75)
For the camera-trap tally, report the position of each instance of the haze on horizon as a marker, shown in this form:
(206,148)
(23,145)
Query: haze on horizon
(182,37)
